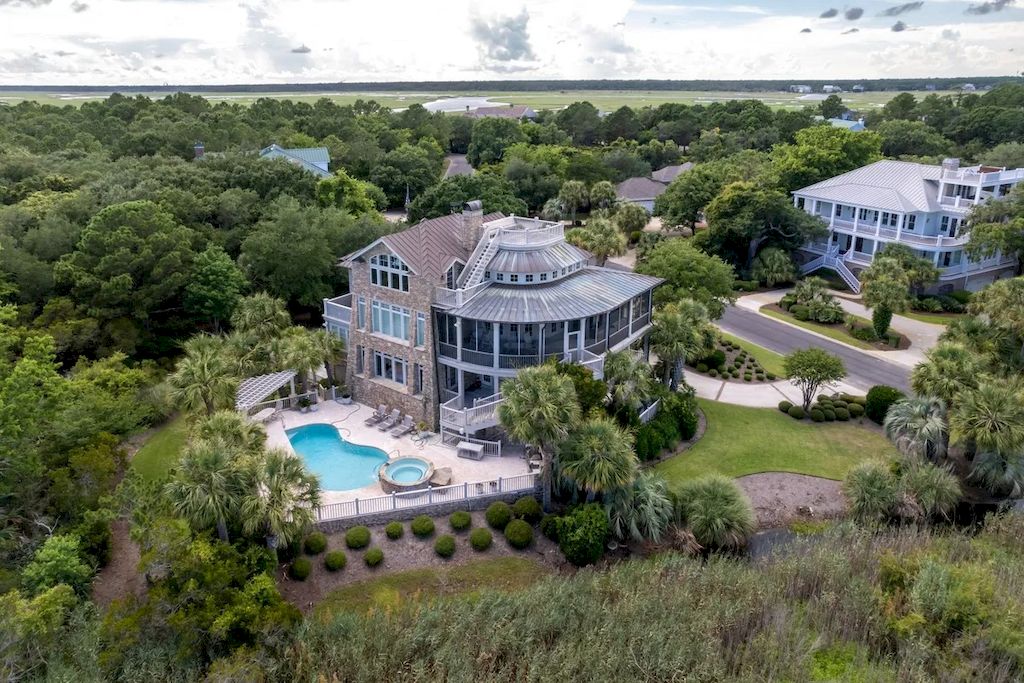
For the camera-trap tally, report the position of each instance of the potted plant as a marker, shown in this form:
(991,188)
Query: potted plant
(314,403)
(304,404)
(423,428)
(344,395)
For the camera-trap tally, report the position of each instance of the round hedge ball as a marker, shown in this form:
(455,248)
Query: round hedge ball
(784,406)
(394,530)
(357,537)
(315,543)
(373,557)
(460,520)
(422,526)
(445,545)
(519,534)
(480,539)
(817,415)
(842,414)
(856,410)
(335,560)
(830,415)
(498,515)
(300,569)
(527,508)
(796,412)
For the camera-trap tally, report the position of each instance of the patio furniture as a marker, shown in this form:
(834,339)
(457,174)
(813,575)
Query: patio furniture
(378,415)
(407,426)
(442,477)
(473,451)
(390,421)
(264,415)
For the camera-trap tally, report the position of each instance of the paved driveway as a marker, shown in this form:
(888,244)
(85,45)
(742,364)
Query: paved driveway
(863,370)
(457,165)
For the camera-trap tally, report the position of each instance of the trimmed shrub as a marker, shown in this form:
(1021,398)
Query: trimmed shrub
(315,543)
(962,297)
(830,415)
(480,539)
(335,560)
(842,414)
(581,534)
(519,534)
(800,312)
(796,412)
(878,400)
(373,557)
(771,377)
(714,359)
(840,404)
(713,373)
(498,515)
(823,397)
(717,512)
(394,530)
(527,508)
(784,406)
(422,526)
(817,415)
(856,410)
(357,537)
(722,369)
(549,527)
(300,568)
(701,367)
(445,545)
(460,520)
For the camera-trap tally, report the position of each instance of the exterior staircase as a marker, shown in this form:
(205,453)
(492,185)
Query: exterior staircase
(485,250)
(834,260)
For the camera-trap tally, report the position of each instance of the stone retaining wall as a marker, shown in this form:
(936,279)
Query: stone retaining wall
(430,509)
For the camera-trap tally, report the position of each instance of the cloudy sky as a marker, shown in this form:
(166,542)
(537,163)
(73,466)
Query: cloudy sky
(109,42)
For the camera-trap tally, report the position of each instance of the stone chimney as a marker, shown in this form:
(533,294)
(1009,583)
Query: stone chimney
(950,164)
(200,149)
(472,224)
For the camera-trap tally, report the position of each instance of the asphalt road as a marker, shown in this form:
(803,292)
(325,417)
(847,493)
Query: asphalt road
(457,165)
(863,370)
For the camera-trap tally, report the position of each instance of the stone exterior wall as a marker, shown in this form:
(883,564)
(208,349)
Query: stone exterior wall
(373,391)
(431,509)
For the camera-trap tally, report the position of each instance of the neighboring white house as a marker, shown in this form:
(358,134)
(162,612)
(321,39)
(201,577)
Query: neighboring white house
(919,205)
(849,124)
(831,88)
(518,112)
(314,159)
(802,89)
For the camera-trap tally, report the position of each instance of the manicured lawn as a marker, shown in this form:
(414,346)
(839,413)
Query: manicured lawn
(162,450)
(837,333)
(933,318)
(742,440)
(393,590)
(770,360)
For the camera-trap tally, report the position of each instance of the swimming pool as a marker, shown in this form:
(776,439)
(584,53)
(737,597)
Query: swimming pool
(341,465)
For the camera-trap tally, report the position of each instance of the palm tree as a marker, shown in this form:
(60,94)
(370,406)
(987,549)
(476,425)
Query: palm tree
(682,331)
(205,377)
(602,194)
(601,238)
(1002,474)
(918,427)
(990,418)
(630,385)
(598,456)
(773,266)
(540,408)
(872,491)
(573,196)
(280,498)
(331,349)
(949,371)
(1002,302)
(233,429)
(260,315)
(206,487)
(642,510)
(809,289)
(716,511)
(935,491)
(301,351)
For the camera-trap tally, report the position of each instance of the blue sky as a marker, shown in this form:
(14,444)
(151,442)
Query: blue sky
(248,41)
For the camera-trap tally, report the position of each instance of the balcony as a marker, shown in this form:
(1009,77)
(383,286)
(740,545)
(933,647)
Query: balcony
(971,267)
(453,298)
(956,202)
(466,419)
(518,232)
(339,309)
(970,176)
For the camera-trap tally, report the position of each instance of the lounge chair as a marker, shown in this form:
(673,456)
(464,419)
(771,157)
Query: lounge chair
(390,421)
(401,430)
(378,415)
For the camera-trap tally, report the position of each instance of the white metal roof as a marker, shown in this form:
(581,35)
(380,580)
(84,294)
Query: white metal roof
(254,390)
(886,185)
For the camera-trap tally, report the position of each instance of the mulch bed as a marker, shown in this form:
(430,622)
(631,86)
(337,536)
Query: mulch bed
(841,327)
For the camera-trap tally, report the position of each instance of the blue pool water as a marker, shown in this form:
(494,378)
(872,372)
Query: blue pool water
(407,470)
(341,465)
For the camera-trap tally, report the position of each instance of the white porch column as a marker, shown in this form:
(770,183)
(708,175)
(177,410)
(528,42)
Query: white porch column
(936,258)
(856,218)
(899,225)
(458,343)
(878,223)
(832,219)
(495,332)
(631,317)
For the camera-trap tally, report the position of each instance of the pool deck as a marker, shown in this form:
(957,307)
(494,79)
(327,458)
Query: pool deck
(349,421)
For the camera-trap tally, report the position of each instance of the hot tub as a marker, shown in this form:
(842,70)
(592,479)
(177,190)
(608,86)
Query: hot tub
(407,473)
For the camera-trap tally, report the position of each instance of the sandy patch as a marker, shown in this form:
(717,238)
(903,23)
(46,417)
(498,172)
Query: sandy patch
(781,497)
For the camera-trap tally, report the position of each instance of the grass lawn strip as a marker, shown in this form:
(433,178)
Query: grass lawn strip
(770,360)
(391,591)
(162,451)
(838,334)
(932,318)
(741,441)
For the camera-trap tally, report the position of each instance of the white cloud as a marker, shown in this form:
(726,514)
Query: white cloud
(237,41)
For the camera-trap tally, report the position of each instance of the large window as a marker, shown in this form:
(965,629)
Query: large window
(387,270)
(477,335)
(890,219)
(389,367)
(421,329)
(911,222)
(361,313)
(451,278)
(390,320)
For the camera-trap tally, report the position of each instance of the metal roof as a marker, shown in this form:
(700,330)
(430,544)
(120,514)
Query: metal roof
(306,157)
(670,173)
(590,291)
(512,111)
(633,189)
(886,185)
(254,390)
(546,259)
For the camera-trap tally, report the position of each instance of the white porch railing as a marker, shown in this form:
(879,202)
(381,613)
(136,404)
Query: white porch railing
(361,507)
(482,414)
(453,298)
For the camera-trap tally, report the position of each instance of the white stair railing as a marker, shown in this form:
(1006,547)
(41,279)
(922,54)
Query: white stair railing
(485,250)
